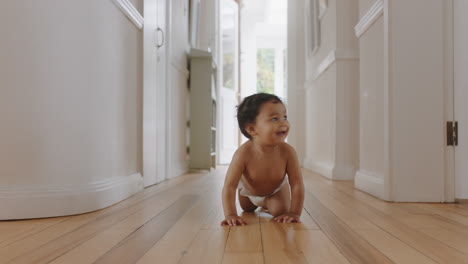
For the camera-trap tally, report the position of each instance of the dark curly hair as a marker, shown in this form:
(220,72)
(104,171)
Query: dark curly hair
(248,109)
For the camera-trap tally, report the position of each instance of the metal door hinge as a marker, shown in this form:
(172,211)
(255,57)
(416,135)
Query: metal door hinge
(452,133)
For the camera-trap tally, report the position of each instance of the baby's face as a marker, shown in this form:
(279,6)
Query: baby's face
(271,125)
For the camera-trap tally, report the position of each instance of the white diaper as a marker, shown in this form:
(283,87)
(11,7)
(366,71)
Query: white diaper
(258,200)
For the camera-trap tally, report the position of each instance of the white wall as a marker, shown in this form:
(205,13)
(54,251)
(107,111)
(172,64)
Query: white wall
(70,107)
(332,95)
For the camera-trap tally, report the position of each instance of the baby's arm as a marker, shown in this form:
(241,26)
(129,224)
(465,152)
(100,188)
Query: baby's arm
(233,176)
(293,169)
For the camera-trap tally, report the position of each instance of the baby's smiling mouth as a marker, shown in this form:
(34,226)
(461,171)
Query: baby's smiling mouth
(281,133)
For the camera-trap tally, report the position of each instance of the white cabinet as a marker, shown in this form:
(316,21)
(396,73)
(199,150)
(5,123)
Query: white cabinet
(202,110)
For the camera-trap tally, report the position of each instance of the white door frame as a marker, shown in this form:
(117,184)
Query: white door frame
(449,102)
(221,110)
(154,101)
(460,81)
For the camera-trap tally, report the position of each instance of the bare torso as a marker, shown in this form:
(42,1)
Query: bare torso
(264,170)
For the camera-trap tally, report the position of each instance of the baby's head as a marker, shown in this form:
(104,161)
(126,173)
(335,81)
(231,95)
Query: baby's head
(249,109)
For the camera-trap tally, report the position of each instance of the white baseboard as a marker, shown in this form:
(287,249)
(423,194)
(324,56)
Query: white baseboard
(322,168)
(343,173)
(24,202)
(371,184)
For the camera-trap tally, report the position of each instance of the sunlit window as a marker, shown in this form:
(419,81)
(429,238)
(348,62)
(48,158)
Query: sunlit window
(266,70)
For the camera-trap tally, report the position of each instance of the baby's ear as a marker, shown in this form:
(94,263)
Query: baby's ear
(250,129)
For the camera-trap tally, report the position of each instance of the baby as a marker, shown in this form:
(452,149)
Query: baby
(259,167)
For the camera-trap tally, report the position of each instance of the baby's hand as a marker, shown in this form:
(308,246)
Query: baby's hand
(287,218)
(233,220)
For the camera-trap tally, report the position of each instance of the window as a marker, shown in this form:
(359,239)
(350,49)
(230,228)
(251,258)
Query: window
(266,71)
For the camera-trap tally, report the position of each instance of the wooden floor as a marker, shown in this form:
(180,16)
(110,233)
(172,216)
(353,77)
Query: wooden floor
(178,221)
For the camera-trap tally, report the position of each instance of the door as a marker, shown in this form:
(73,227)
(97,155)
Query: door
(154,92)
(460,94)
(228,77)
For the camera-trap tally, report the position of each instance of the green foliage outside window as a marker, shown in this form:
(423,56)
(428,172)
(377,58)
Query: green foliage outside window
(266,70)
(228,70)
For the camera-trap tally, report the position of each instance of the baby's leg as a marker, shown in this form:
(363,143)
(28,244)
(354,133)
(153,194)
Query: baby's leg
(245,203)
(279,202)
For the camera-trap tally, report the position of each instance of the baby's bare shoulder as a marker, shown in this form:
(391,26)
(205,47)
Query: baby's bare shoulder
(287,149)
(244,151)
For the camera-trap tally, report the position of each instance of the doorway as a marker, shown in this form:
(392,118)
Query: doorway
(253,58)
(263,61)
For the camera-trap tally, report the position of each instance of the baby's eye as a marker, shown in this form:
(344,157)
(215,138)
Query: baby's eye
(285,118)
(274,119)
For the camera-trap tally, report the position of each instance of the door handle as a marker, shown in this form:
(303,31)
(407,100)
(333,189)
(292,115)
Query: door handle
(162,37)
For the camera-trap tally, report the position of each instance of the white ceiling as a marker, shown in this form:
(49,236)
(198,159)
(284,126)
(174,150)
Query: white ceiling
(266,11)
(270,16)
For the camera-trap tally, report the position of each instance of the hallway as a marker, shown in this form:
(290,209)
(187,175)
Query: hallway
(177,221)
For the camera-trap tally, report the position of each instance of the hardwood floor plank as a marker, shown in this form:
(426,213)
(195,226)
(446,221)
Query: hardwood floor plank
(461,209)
(23,249)
(138,243)
(412,208)
(307,222)
(317,247)
(207,248)
(395,249)
(176,242)
(107,239)
(364,205)
(10,234)
(280,245)
(442,212)
(243,257)
(214,218)
(245,238)
(93,249)
(345,214)
(350,244)
(455,240)
(425,244)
